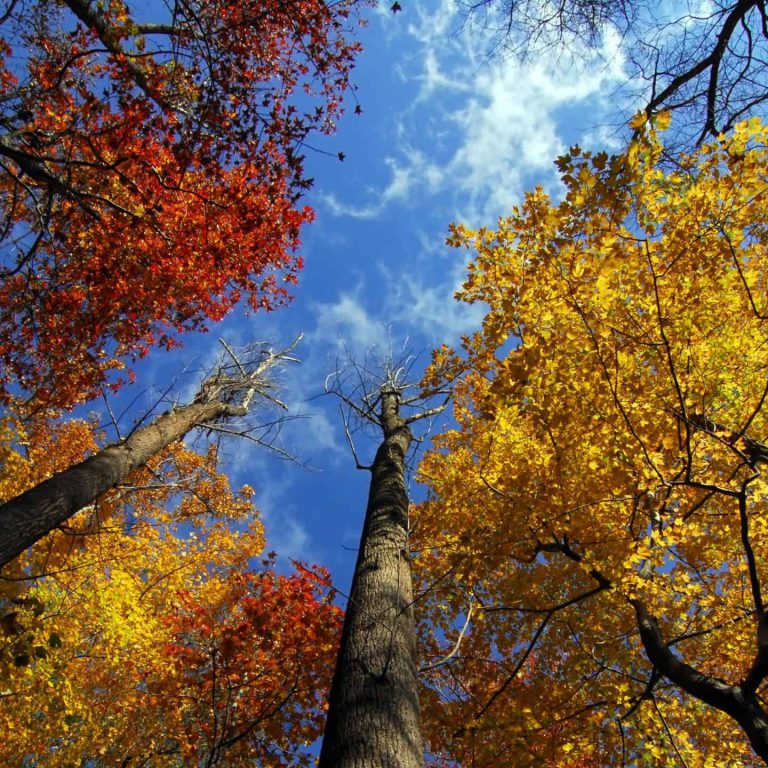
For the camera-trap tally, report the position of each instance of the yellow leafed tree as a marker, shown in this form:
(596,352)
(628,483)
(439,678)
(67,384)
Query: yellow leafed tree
(600,514)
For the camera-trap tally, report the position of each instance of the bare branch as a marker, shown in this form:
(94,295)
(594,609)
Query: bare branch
(711,62)
(456,645)
(351,443)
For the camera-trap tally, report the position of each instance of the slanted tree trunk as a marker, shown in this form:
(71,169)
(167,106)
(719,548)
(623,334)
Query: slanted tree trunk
(226,393)
(373,714)
(30,516)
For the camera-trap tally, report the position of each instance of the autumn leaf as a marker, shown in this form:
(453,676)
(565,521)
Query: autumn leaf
(151,176)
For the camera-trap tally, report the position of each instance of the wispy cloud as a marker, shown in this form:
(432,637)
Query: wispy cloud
(426,304)
(347,322)
(512,128)
(478,131)
(398,189)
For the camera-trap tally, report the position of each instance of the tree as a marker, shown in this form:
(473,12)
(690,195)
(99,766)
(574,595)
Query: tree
(710,62)
(373,706)
(602,500)
(225,395)
(127,640)
(150,173)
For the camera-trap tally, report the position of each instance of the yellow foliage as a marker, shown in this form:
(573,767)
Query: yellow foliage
(103,624)
(610,413)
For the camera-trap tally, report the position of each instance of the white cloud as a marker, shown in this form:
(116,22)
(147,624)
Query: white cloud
(438,27)
(434,78)
(511,129)
(338,208)
(347,322)
(398,189)
(401,183)
(431,309)
(484,130)
(289,537)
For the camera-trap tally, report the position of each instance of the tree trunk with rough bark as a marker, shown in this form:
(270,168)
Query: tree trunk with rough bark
(30,516)
(373,714)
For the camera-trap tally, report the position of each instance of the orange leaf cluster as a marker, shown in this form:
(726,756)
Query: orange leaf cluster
(150,174)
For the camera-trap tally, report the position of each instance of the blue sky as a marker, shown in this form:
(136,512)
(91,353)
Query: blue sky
(446,134)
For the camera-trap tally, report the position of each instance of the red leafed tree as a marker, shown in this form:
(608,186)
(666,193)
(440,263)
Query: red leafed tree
(150,172)
(263,650)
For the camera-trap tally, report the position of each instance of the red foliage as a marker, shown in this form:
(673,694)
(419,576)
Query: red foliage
(150,173)
(237,664)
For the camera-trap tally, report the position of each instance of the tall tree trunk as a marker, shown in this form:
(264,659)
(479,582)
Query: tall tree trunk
(373,713)
(27,518)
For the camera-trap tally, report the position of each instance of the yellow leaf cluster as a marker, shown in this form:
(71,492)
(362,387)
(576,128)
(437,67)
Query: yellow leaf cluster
(610,413)
(97,664)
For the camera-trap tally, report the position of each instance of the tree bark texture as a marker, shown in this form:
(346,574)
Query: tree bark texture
(30,516)
(373,714)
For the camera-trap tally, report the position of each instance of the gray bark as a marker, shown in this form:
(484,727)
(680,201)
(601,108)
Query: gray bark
(30,516)
(373,714)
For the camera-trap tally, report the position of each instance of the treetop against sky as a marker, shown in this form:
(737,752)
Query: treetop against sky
(601,502)
(443,134)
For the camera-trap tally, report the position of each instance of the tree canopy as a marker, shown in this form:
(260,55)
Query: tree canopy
(150,173)
(600,507)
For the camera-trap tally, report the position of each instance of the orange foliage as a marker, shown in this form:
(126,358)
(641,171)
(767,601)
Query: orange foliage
(142,632)
(150,173)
